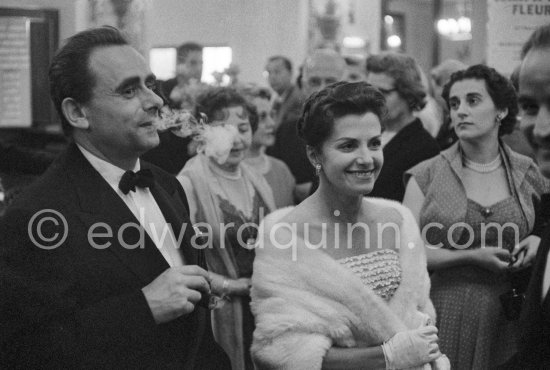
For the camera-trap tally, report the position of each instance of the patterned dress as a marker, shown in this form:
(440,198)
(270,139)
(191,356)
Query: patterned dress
(378,270)
(473,330)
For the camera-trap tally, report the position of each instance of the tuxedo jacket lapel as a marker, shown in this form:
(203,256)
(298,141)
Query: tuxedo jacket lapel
(100,205)
(173,211)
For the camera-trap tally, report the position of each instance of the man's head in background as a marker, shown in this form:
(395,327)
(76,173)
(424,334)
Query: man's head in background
(355,69)
(321,68)
(189,61)
(534,94)
(279,73)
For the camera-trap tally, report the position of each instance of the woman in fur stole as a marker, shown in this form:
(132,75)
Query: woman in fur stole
(340,281)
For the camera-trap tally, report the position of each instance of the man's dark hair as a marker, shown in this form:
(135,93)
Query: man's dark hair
(70,75)
(540,39)
(186,48)
(286,62)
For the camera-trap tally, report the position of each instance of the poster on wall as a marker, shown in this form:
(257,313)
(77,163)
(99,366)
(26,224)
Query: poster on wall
(511,22)
(15,73)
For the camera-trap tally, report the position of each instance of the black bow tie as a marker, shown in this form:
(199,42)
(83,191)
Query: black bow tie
(131,179)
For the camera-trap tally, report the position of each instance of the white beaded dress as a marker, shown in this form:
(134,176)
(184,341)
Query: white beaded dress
(379,270)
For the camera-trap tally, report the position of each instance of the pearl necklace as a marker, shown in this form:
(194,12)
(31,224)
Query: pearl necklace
(226,174)
(492,166)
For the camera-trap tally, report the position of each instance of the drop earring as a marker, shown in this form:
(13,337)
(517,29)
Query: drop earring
(317,169)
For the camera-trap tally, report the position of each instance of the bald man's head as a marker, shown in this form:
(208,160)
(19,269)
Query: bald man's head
(321,68)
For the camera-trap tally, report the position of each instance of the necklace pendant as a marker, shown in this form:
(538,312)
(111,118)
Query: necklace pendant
(250,243)
(486,212)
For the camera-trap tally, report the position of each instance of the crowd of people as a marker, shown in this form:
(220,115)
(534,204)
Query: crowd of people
(365,215)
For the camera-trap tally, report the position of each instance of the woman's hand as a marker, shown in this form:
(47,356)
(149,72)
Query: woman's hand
(525,252)
(494,259)
(441,363)
(412,348)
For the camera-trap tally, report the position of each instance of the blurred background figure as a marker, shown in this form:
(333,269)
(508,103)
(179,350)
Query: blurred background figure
(222,192)
(288,102)
(478,181)
(275,171)
(405,140)
(439,76)
(355,69)
(519,140)
(179,92)
(321,68)
(182,90)
(430,115)
(233,72)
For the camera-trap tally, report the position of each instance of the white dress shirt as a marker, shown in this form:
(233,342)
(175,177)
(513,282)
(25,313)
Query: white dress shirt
(144,207)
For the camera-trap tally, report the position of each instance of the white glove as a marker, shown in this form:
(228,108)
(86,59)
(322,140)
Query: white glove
(441,363)
(411,348)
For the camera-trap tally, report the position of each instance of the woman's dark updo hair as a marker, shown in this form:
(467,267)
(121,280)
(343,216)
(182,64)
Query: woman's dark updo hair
(215,99)
(500,90)
(335,101)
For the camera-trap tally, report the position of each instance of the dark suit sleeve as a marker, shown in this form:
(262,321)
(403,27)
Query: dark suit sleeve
(23,161)
(43,321)
(532,341)
(542,215)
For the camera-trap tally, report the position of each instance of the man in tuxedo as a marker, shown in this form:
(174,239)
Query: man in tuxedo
(534,101)
(87,279)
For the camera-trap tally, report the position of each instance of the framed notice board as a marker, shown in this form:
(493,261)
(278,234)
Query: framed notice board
(28,40)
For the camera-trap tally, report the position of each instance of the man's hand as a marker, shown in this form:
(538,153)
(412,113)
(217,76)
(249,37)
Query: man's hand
(175,292)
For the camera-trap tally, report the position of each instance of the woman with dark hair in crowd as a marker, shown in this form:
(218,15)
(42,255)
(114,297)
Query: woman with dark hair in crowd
(330,288)
(475,204)
(230,197)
